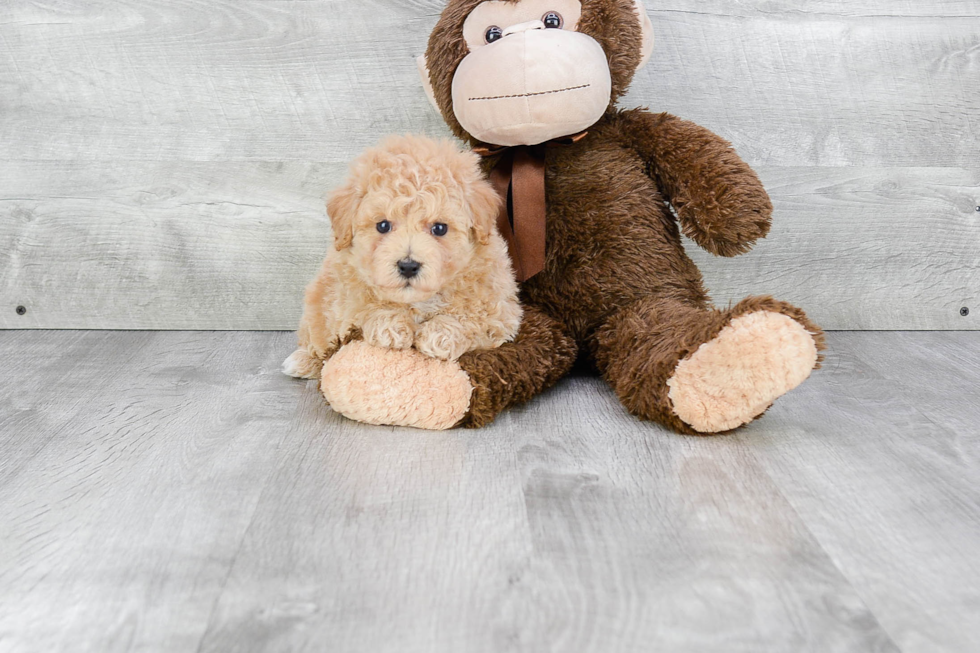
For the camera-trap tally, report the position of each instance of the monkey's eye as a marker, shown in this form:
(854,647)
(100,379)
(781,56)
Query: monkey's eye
(553,20)
(439,229)
(384,227)
(494,34)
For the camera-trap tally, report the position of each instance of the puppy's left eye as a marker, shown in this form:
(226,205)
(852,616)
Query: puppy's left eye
(384,227)
(439,229)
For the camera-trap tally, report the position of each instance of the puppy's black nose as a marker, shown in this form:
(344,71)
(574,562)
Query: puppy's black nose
(408,268)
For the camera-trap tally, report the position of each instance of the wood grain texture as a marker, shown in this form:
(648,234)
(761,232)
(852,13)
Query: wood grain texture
(203,80)
(161,245)
(104,466)
(164,162)
(859,248)
(164,245)
(553,530)
(291,80)
(891,466)
(846,8)
(173,491)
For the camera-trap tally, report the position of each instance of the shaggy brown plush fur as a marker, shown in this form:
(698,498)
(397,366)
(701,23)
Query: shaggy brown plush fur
(617,287)
(542,353)
(639,348)
(617,282)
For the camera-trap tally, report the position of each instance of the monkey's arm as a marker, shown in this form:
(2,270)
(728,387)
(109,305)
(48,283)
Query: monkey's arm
(720,202)
(515,372)
(406,388)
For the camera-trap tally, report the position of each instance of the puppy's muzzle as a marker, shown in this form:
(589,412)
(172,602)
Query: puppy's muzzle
(408,268)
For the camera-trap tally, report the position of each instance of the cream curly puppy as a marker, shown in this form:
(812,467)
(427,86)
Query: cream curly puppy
(417,263)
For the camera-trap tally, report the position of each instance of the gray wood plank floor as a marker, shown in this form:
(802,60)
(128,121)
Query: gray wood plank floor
(168,491)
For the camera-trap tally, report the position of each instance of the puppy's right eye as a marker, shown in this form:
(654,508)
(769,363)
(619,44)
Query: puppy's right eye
(384,227)
(494,34)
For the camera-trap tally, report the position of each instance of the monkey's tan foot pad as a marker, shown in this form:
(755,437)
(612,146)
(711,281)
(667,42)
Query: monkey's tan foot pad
(734,378)
(395,387)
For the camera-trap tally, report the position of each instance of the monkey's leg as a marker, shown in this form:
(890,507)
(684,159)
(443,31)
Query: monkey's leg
(517,371)
(405,388)
(701,370)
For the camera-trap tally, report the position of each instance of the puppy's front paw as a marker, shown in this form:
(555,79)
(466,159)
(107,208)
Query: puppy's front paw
(442,337)
(390,331)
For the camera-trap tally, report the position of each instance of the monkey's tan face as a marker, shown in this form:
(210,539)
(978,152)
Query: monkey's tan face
(409,248)
(529,75)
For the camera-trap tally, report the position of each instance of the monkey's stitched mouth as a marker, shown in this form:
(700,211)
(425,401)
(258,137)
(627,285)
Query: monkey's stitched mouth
(506,97)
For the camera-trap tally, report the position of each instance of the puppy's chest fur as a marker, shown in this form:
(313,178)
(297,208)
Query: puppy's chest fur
(424,311)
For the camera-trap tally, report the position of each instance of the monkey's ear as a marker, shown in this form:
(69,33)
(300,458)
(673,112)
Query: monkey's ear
(427,81)
(647,48)
(484,204)
(342,207)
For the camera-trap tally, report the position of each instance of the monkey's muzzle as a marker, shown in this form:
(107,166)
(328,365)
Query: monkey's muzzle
(532,86)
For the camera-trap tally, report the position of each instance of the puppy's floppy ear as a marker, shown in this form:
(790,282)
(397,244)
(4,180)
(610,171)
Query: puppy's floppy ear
(484,204)
(342,207)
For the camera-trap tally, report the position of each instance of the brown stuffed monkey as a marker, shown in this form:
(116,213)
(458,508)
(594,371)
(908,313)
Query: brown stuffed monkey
(606,275)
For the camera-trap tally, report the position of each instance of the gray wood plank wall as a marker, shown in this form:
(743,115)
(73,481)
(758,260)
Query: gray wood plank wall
(164,162)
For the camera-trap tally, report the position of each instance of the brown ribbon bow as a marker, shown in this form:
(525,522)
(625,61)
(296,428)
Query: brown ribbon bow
(518,178)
